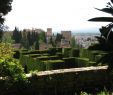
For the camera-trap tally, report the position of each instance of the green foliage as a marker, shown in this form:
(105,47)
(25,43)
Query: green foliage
(106,38)
(82,62)
(17,36)
(10,69)
(37,44)
(16,54)
(52,51)
(70,62)
(31,63)
(5,7)
(42,37)
(75,52)
(73,43)
(67,52)
(7,37)
(54,64)
(24,40)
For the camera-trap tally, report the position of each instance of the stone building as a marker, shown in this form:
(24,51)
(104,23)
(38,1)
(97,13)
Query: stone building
(66,35)
(49,32)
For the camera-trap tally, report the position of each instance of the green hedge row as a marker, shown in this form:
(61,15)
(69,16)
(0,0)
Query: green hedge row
(54,64)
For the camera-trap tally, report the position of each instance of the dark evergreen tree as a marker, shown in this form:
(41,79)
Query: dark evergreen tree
(37,43)
(16,35)
(73,42)
(24,40)
(5,7)
(42,37)
(58,37)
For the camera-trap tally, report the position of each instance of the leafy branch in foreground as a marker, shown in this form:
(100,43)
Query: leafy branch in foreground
(105,41)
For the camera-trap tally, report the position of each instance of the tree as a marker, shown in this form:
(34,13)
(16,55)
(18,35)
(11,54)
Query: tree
(10,70)
(24,40)
(16,35)
(73,42)
(37,44)
(106,38)
(42,37)
(5,7)
(58,37)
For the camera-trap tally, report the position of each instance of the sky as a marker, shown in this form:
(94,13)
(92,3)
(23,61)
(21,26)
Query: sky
(56,14)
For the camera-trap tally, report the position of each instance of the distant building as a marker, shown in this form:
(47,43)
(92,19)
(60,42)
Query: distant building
(65,43)
(44,46)
(66,35)
(34,30)
(49,32)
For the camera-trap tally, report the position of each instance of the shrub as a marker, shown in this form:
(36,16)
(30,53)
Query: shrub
(60,56)
(69,62)
(54,64)
(82,62)
(11,72)
(66,52)
(52,51)
(16,54)
(43,58)
(75,52)
(59,50)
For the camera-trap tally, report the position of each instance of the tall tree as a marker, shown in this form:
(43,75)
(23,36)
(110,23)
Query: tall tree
(58,37)
(106,38)
(73,42)
(42,37)
(24,40)
(16,35)
(5,7)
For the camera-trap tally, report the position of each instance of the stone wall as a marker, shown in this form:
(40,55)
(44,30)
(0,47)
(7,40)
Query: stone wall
(66,81)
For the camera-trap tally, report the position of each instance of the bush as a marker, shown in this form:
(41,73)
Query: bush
(54,64)
(75,52)
(16,54)
(82,62)
(69,62)
(66,52)
(31,63)
(52,51)
(11,72)
(60,56)
(59,50)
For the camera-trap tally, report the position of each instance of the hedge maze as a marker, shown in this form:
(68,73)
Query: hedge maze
(57,58)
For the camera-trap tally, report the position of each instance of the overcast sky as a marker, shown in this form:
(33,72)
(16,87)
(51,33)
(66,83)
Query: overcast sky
(57,14)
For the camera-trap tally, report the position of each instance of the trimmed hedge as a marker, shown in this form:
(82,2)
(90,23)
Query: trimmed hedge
(52,51)
(91,63)
(59,50)
(44,58)
(75,52)
(84,53)
(16,54)
(54,64)
(82,62)
(34,55)
(30,64)
(60,56)
(69,62)
(67,52)
(35,52)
